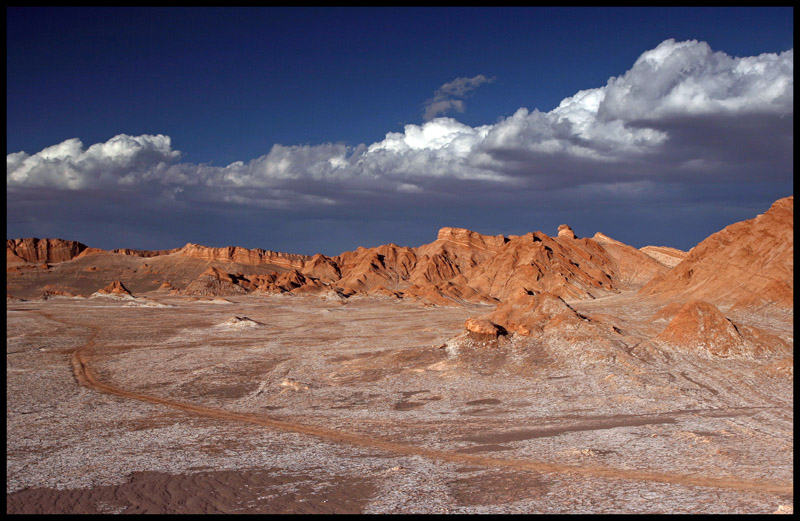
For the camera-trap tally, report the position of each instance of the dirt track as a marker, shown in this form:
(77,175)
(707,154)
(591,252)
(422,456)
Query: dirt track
(84,358)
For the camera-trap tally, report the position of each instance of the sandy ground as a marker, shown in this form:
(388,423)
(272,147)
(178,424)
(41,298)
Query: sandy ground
(303,405)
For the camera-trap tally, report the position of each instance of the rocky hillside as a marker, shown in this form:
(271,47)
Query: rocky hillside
(748,264)
(749,261)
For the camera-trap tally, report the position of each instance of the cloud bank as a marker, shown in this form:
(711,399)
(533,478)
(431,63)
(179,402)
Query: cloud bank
(683,115)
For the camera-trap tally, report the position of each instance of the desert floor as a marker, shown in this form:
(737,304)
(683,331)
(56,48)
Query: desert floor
(374,406)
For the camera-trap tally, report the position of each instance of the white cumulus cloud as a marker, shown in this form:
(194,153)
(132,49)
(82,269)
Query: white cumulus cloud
(681,110)
(122,160)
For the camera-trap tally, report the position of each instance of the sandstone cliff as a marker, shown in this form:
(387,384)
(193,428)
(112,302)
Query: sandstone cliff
(39,251)
(243,255)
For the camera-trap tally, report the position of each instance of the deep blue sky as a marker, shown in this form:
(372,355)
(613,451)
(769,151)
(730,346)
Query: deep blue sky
(226,84)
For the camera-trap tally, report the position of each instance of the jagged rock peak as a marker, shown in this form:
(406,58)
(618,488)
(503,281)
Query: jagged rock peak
(470,238)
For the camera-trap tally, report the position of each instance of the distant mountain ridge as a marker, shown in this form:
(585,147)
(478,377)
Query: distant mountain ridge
(465,266)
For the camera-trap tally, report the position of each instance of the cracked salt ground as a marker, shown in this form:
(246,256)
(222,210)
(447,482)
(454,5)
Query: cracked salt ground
(465,413)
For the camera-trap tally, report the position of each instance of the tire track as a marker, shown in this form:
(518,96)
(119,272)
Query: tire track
(87,377)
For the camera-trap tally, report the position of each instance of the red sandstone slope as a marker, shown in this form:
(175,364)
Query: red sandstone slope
(748,260)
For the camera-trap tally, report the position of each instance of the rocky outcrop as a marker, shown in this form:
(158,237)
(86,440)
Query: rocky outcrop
(388,265)
(293,282)
(455,252)
(243,255)
(40,251)
(321,267)
(535,262)
(548,319)
(145,253)
(743,259)
(459,266)
(114,289)
(565,232)
(469,239)
(215,282)
(483,329)
(701,328)
(530,315)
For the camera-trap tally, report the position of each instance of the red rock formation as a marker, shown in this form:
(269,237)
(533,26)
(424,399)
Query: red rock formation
(215,282)
(388,265)
(565,232)
(570,268)
(145,253)
(39,251)
(465,266)
(743,259)
(700,327)
(483,329)
(243,255)
(321,267)
(455,252)
(289,282)
(445,294)
(115,288)
(548,319)
(533,315)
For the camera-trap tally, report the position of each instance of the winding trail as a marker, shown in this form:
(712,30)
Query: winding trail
(87,377)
